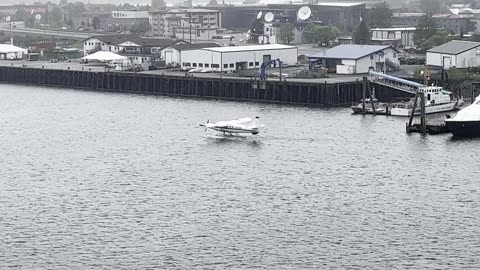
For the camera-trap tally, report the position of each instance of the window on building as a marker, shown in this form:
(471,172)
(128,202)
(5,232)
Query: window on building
(250,64)
(186,64)
(85,43)
(207,65)
(194,65)
(232,65)
(215,65)
(256,64)
(225,65)
(371,56)
(200,64)
(394,55)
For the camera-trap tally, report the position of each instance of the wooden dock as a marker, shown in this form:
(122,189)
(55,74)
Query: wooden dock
(241,89)
(432,129)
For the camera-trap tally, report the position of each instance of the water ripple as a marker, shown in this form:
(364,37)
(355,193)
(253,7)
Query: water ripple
(108,181)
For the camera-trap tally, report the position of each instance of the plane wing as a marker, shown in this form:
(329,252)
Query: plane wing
(245,124)
(236,122)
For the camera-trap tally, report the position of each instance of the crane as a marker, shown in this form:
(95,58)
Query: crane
(263,74)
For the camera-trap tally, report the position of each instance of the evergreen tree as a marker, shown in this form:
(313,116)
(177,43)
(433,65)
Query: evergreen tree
(188,4)
(212,3)
(440,37)
(320,34)
(139,28)
(426,28)
(286,32)
(362,35)
(96,23)
(158,5)
(55,17)
(431,6)
(21,14)
(380,16)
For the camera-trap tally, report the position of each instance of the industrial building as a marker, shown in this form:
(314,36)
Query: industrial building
(456,53)
(11,52)
(138,50)
(183,22)
(232,58)
(173,54)
(456,24)
(352,59)
(344,16)
(401,37)
(132,44)
(393,4)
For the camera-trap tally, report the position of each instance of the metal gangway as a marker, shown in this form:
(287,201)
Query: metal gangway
(395,82)
(392,65)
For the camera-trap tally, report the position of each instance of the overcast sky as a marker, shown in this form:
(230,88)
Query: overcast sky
(12,2)
(142,2)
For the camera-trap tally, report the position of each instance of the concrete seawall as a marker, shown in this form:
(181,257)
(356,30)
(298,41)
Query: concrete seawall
(242,89)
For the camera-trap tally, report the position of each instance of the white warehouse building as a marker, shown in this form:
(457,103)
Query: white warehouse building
(227,59)
(353,59)
(11,52)
(456,53)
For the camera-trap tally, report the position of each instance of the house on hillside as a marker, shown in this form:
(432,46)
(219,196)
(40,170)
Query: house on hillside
(456,53)
(354,59)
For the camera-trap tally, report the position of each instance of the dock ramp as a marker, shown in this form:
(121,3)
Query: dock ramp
(394,82)
(392,65)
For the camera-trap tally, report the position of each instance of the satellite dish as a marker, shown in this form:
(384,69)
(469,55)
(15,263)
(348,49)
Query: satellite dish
(269,17)
(259,15)
(7,18)
(304,13)
(38,17)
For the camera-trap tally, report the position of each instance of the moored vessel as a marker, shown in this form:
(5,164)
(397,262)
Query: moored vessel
(467,121)
(370,104)
(436,100)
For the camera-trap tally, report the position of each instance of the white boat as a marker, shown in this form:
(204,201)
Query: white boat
(436,100)
(467,121)
(380,108)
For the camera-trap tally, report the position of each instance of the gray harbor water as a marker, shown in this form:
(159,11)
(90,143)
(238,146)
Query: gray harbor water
(93,180)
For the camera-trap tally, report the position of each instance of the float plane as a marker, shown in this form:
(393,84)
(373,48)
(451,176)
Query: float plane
(234,128)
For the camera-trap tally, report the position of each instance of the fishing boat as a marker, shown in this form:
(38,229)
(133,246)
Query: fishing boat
(436,100)
(467,121)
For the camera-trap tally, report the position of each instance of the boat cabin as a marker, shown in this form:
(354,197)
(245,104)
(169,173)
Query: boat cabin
(435,95)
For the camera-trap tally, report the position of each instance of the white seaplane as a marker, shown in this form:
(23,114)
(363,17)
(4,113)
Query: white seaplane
(233,128)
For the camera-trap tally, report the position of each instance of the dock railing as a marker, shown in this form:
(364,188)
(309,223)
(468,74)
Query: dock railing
(394,82)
